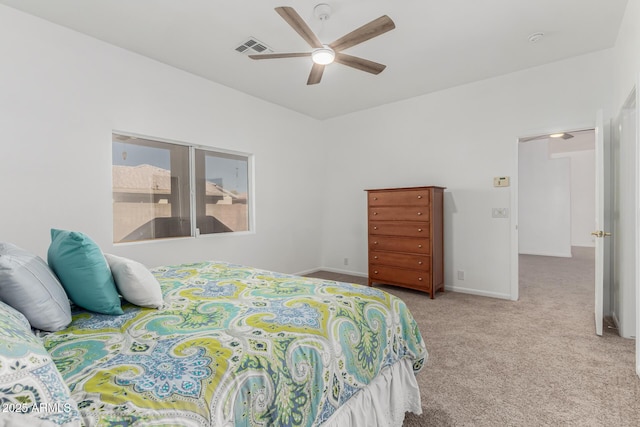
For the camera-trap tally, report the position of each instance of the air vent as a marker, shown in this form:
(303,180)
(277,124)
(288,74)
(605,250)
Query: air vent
(253,45)
(259,48)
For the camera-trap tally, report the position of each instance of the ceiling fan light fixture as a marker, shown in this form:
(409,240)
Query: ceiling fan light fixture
(323,55)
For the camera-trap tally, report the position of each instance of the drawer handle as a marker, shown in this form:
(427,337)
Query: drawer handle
(419,246)
(420,279)
(375,198)
(375,243)
(375,213)
(419,262)
(419,197)
(375,228)
(375,272)
(419,213)
(375,257)
(419,230)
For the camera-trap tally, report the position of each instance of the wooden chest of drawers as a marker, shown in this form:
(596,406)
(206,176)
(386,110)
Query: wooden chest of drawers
(406,237)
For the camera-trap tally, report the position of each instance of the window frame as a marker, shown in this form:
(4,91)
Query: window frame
(195,234)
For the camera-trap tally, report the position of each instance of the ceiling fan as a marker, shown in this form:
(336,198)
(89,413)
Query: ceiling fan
(323,54)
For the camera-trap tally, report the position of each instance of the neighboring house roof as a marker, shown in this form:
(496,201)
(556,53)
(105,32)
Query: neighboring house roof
(147,179)
(141,179)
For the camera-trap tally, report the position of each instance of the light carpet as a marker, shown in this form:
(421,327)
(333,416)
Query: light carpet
(532,362)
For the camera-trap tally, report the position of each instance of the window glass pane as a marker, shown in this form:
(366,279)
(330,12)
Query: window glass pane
(150,189)
(222,192)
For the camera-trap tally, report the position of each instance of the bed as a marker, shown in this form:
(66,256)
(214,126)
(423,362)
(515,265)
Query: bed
(237,346)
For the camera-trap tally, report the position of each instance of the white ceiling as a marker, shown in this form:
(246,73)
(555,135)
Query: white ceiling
(436,44)
(581,141)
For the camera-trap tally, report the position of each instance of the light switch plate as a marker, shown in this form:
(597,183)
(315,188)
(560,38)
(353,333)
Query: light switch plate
(501,181)
(500,213)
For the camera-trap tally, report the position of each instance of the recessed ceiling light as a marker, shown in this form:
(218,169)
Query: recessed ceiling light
(556,135)
(536,37)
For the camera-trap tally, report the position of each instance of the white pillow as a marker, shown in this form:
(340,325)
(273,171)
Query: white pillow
(135,282)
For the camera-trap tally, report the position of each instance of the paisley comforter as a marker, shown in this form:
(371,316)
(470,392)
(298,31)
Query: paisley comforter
(233,346)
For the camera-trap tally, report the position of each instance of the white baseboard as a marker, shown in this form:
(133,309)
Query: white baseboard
(556,254)
(339,271)
(477,292)
(447,288)
(305,272)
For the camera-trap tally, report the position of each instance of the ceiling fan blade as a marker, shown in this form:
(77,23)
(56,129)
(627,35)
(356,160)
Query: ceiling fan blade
(316,74)
(279,55)
(364,33)
(359,63)
(298,24)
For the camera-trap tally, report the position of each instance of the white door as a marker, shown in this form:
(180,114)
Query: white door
(599,233)
(631,129)
(637,173)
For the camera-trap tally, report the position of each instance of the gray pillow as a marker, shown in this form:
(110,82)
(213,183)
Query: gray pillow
(28,285)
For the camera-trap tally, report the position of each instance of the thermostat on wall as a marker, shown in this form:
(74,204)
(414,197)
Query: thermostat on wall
(501,181)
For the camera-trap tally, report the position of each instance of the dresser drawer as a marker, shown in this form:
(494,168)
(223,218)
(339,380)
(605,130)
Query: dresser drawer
(392,228)
(412,245)
(420,262)
(400,198)
(399,213)
(411,278)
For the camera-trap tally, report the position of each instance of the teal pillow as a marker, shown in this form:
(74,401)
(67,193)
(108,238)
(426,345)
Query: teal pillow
(83,271)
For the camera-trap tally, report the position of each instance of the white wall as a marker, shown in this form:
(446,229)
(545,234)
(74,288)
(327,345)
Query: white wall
(544,201)
(556,198)
(626,66)
(580,149)
(626,61)
(583,196)
(624,231)
(62,95)
(458,138)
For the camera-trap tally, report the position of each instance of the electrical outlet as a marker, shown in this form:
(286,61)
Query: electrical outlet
(346,261)
(460,274)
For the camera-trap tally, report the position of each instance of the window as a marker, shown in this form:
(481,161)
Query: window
(221,192)
(153,195)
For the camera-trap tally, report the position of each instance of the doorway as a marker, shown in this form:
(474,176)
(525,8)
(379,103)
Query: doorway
(556,206)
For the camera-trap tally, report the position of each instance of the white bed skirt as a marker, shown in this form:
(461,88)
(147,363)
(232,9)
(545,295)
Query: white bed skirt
(384,402)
